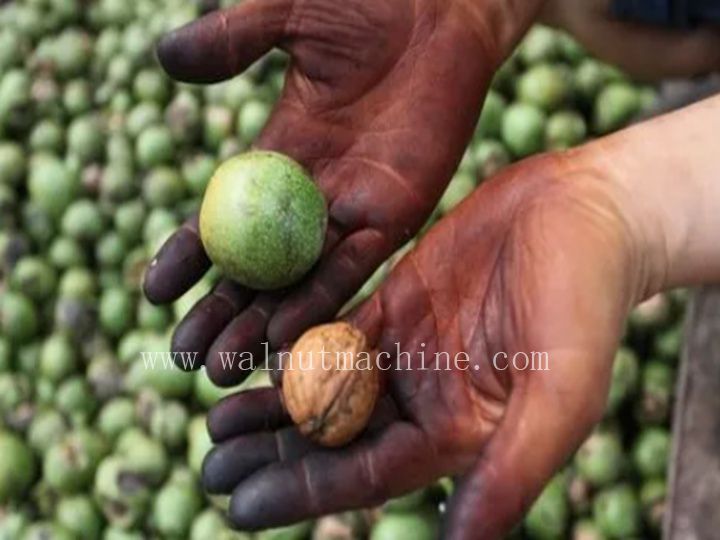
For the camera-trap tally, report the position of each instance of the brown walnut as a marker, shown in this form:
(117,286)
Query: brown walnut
(331,395)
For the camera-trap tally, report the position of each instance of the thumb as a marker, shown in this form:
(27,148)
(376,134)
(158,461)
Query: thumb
(545,422)
(224,43)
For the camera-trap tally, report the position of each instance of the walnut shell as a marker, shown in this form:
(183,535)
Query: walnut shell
(331,395)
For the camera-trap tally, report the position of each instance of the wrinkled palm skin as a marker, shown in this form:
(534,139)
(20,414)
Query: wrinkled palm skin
(537,260)
(380,101)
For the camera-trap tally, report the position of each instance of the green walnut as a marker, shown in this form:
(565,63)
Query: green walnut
(263,220)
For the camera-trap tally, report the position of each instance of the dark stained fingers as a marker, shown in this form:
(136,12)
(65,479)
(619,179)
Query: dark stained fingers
(258,409)
(366,473)
(179,264)
(224,43)
(340,275)
(232,461)
(241,346)
(208,318)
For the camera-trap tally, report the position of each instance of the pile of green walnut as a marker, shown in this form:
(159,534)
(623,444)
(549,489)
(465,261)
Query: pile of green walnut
(102,157)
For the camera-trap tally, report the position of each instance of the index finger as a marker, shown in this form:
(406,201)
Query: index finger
(179,264)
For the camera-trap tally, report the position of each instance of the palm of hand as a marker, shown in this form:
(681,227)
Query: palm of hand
(536,261)
(362,109)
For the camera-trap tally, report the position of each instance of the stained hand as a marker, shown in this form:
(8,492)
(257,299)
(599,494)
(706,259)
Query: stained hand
(538,261)
(379,103)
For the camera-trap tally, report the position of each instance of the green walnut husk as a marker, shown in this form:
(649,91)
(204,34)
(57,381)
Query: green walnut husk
(262,220)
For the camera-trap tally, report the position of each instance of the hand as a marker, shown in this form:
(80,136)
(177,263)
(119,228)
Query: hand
(538,260)
(380,101)
(646,52)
